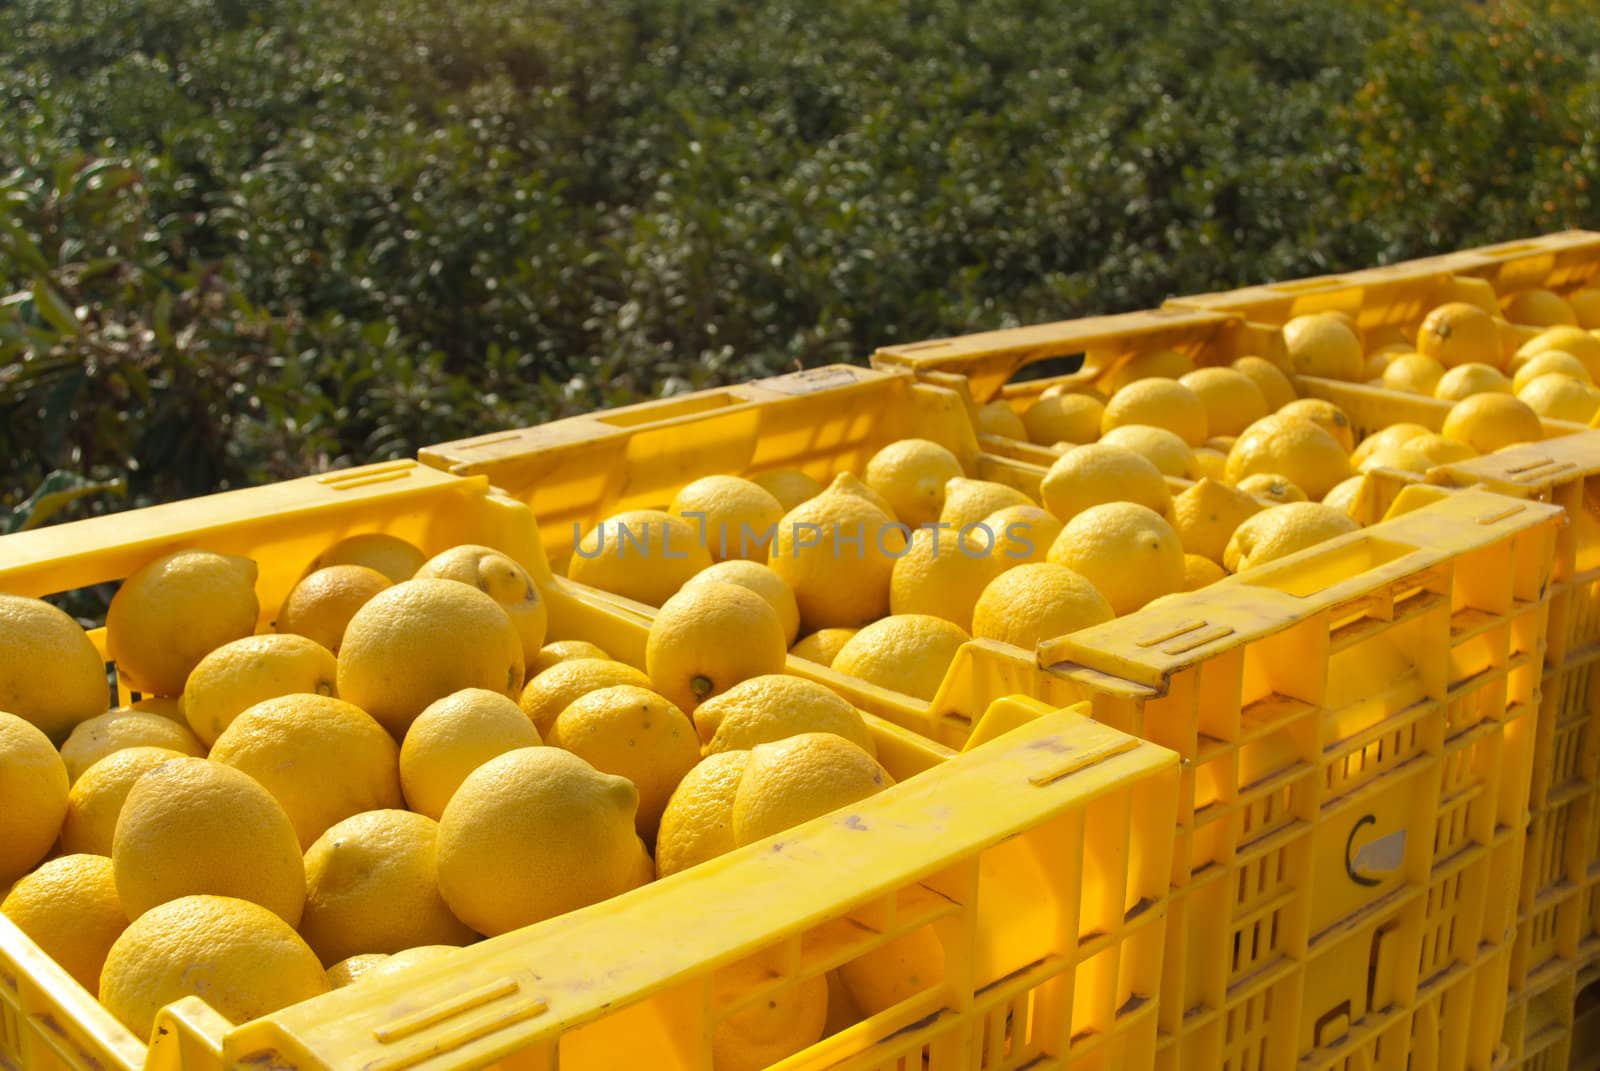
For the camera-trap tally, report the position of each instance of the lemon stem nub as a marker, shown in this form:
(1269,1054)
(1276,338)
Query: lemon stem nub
(701,686)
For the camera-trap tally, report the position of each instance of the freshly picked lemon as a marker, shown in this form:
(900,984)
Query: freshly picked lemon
(503,580)
(176,610)
(34,634)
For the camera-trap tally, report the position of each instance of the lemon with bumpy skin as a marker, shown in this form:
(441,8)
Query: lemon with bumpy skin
(1130,553)
(1065,417)
(1585,304)
(1273,382)
(354,969)
(908,653)
(505,581)
(836,553)
(1465,380)
(633,733)
(910,474)
(823,645)
(709,637)
(1327,416)
(771,1029)
(897,971)
(1457,333)
(968,502)
(847,483)
(532,834)
(789,486)
(321,605)
(118,729)
(242,960)
(1549,362)
(1573,341)
(1210,462)
(1413,373)
(1490,422)
(1200,572)
(372,885)
(799,778)
(1148,364)
(1099,473)
(403,961)
(1233,401)
(1159,403)
(381,552)
(1036,602)
(173,612)
(33,796)
(194,826)
(944,573)
(34,634)
(454,736)
(698,821)
(1345,495)
(238,675)
(1205,516)
(1543,308)
(731,516)
(69,908)
(1298,450)
(1022,534)
(998,418)
(421,640)
(1168,453)
(96,799)
(764,709)
(1271,487)
(1284,530)
(1323,344)
(642,554)
(764,582)
(1559,397)
(562,651)
(1432,449)
(552,691)
(1393,435)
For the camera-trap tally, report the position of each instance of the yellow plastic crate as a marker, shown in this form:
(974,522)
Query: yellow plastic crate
(1039,861)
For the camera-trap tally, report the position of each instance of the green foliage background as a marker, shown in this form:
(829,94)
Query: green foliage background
(243,239)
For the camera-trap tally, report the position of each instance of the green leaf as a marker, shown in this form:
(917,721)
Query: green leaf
(54,308)
(57,491)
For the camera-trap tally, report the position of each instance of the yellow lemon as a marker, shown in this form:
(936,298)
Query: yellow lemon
(1205,516)
(1543,308)
(97,796)
(454,736)
(970,501)
(168,706)
(50,674)
(352,970)
(789,486)
(379,551)
(194,826)
(321,605)
(909,653)
(634,733)
(1457,333)
(1162,448)
(403,961)
(773,1027)
(1378,363)
(823,645)
(552,691)
(1022,533)
(503,580)
(1547,363)
(642,554)
(532,834)
(33,796)
(69,908)
(1327,416)
(878,980)
(836,553)
(732,517)
(1130,553)
(1157,364)
(1385,337)
(1585,304)
(173,612)
(698,821)
(944,573)
(1284,530)
(1560,397)
(764,709)
(98,737)
(1160,403)
(1211,462)
(1232,400)
(998,418)
(794,780)
(562,651)
(1064,417)
(1573,341)
(764,582)
(1273,382)
(1393,435)
(1323,344)
(709,637)
(1298,450)
(238,675)
(910,474)
(422,640)
(1100,473)
(1465,380)
(1413,373)
(1431,449)
(372,885)
(1473,291)
(1199,572)
(1490,422)
(1345,495)
(1036,602)
(1271,487)
(242,960)
(847,483)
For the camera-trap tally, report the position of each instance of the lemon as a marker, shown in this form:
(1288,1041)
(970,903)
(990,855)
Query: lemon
(1211,462)
(789,486)
(1378,363)
(1543,308)
(321,605)
(354,969)
(1231,398)
(1160,403)
(643,554)
(321,758)
(1393,435)
(1298,450)
(1432,449)
(1198,572)
(242,960)
(503,580)
(1169,454)
(173,612)
(1205,516)
(1586,306)
(1473,291)
(1323,344)
(1559,397)
(878,980)
(421,640)
(1130,553)
(168,706)
(33,796)
(910,474)
(1549,362)
(697,823)
(634,733)
(238,675)
(847,483)
(998,418)
(115,730)
(404,961)
(1271,487)
(1457,333)
(1036,602)
(1489,422)
(944,573)
(1573,341)
(1413,373)
(970,501)
(909,653)
(1273,382)
(69,908)
(372,885)
(195,826)
(1327,416)
(709,637)
(1064,417)
(764,709)
(454,736)
(836,553)
(1099,473)
(794,780)
(823,646)
(1022,533)
(562,651)
(772,1028)
(1157,363)
(532,834)
(730,516)
(1284,530)
(379,551)
(764,582)
(552,691)
(1465,380)
(96,799)
(50,674)
(1345,495)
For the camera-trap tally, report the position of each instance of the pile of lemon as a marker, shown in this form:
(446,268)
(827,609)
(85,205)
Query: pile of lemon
(404,762)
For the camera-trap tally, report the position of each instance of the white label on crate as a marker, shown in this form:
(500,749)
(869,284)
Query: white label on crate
(1376,859)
